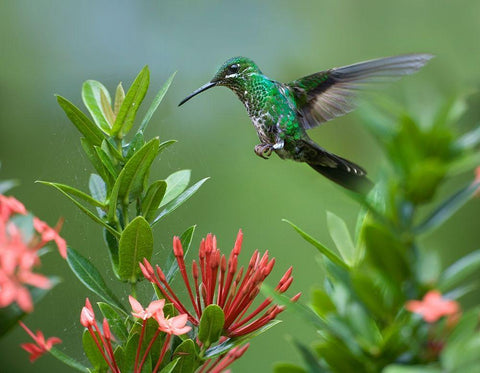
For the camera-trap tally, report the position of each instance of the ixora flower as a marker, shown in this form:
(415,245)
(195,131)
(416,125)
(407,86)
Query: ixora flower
(433,306)
(19,255)
(218,281)
(40,346)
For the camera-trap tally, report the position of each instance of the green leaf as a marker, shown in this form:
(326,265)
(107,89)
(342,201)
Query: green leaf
(341,236)
(211,325)
(152,199)
(6,185)
(321,248)
(92,155)
(156,101)
(10,315)
(119,98)
(91,97)
(115,320)
(459,271)
(188,358)
(106,161)
(68,360)
(176,184)
(170,367)
(86,127)
(131,351)
(321,302)
(74,192)
(170,207)
(97,187)
(137,142)
(171,263)
(165,145)
(107,108)
(130,105)
(447,209)
(288,368)
(230,343)
(91,277)
(386,252)
(309,358)
(86,211)
(136,243)
(93,353)
(131,179)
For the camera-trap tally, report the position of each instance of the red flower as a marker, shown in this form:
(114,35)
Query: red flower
(223,361)
(50,234)
(433,306)
(17,259)
(217,281)
(40,346)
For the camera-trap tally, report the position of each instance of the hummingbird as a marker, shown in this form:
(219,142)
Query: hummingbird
(283,112)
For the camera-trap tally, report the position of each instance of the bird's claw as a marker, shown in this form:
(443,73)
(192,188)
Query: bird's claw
(263,150)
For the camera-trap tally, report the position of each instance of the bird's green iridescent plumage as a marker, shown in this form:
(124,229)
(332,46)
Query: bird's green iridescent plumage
(282,112)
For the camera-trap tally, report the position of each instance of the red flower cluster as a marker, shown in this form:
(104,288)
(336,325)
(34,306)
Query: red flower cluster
(433,306)
(103,339)
(18,257)
(218,281)
(40,346)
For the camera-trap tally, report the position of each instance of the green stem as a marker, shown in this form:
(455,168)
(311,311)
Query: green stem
(133,289)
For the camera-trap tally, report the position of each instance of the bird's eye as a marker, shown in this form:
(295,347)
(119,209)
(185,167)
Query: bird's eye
(233,69)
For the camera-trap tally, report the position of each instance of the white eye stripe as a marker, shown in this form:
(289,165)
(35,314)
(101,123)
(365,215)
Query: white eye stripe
(231,76)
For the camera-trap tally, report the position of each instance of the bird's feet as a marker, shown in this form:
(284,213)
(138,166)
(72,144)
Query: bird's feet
(264,150)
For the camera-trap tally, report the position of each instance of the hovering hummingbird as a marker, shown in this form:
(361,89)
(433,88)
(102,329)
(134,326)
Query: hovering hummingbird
(282,112)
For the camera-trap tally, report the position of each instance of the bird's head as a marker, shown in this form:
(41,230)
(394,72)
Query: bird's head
(233,73)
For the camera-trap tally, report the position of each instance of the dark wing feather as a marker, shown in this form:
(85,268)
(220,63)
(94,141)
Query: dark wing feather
(328,94)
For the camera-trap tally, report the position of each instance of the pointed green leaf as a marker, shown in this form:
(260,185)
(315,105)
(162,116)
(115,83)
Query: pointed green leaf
(130,105)
(156,101)
(91,97)
(106,161)
(107,108)
(309,358)
(341,236)
(321,248)
(74,192)
(169,368)
(411,369)
(137,142)
(130,354)
(165,145)
(97,187)
(447,209)
(119,98)
(152,199)
(115,320)
(93,353)
(188,358)
(170,207)
(176,184)
(68,360)
(10,315)
(92,155)
(211,325)
(131,179)
(459,271)
(91,277)
(90,214)
(136,243)
(86,127)
(171,263)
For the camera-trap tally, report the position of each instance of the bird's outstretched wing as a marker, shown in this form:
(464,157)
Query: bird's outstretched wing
(328,94)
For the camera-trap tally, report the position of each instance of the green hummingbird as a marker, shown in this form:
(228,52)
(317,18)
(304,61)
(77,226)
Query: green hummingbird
(282,112)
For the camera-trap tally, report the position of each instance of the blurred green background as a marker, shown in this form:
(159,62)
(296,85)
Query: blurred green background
(51,47)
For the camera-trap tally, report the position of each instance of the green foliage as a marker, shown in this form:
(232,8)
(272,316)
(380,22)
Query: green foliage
(360,309)
(211,325)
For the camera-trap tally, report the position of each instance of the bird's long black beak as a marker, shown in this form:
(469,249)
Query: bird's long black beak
(200,90)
